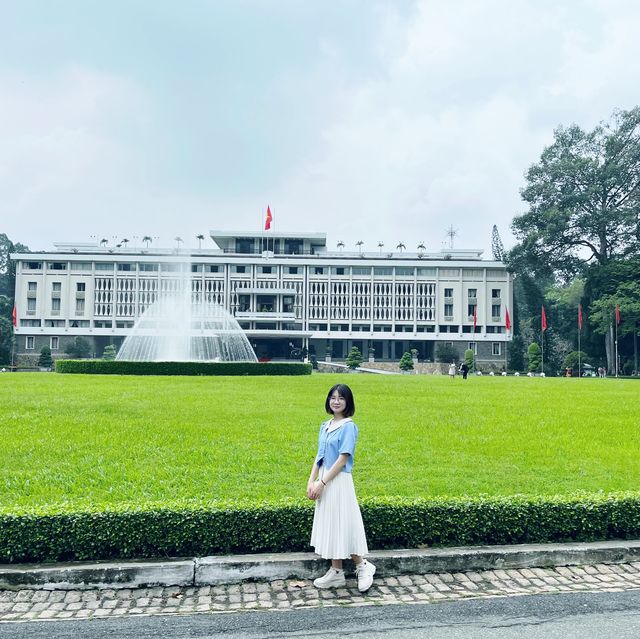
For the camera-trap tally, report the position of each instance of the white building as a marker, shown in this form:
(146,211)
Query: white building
(287,291)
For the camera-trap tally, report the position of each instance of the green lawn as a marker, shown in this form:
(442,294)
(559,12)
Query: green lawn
(93,439)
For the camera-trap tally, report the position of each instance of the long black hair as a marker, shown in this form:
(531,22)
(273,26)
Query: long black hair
(343,391)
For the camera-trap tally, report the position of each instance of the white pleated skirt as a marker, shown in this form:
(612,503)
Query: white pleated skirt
(338,531)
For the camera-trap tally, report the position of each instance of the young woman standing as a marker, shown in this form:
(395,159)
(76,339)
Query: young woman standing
(338,531)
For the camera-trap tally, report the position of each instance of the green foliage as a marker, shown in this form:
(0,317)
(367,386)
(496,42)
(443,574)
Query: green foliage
(109,352)
(469,358)
(406,362)
(354,358)
(112,367)
(583,197)
(78,348)
(200,529)
(45,360)
(572,359)
(446,353)
(534,358)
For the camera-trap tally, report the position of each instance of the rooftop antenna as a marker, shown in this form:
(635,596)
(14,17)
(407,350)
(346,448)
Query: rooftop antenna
(451,233)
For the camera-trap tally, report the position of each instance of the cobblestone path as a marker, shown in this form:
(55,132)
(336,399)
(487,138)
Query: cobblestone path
(31,605)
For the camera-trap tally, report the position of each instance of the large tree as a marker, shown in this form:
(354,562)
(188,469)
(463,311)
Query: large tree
(583,197)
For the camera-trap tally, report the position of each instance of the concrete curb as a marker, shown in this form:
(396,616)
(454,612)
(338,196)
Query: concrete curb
(234,569)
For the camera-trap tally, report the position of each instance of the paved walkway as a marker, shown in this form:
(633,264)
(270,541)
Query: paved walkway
(30,605)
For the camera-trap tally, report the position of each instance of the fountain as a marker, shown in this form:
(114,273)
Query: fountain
(178,328)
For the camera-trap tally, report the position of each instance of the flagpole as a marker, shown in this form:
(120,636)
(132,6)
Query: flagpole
(579,334)
(616,345)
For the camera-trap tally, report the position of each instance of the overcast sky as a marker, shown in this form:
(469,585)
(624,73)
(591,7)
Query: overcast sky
(368,120)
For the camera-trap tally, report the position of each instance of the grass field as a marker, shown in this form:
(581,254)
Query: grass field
(111,440)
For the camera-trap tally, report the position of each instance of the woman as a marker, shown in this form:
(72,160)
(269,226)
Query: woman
(338,531)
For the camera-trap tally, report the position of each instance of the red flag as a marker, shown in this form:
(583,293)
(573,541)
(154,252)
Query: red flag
(507,319)
(580,316)
(544,320)
(267,222)
(15,316)
(617,315)
(475,318)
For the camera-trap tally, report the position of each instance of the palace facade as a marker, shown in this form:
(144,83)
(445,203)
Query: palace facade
(287,291)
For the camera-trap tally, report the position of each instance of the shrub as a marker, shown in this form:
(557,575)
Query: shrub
(45,360)
(571,360)
(354,358)
(446,353)
(115,367)
(406,362)
(109,352)
(79,348)
(469,357)
(534,357)
(203,529)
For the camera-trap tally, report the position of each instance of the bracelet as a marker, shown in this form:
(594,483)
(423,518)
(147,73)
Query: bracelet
(323,481)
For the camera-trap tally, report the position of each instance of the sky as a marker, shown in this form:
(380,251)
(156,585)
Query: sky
(368,120)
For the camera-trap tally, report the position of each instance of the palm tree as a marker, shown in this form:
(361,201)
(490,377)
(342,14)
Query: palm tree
(359,244)
(421,246)
(147,240)
(199,237)
(401,247)
(380,245)
(179,241)
(104,241)
(124,241)
(340,245)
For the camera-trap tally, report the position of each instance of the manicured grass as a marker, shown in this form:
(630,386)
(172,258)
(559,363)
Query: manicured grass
(82,440)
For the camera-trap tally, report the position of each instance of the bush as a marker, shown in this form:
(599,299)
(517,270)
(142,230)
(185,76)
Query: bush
(107,367)
(354,358)
(406,362)
(534,358)
(151,530)
(469,356)
(571,360)
(109,352)
(79,348)
(45,360)
(446,353)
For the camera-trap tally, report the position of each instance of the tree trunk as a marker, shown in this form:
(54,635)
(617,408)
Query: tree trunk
(610,350)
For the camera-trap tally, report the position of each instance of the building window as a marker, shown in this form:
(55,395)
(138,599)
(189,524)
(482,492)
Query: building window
(31,304)
(104,266)
(244,245)
(213,268)
(403,271)
(318,270)
(54,343)
(81,287)
(338,270)
(448,292)
(495,311)
(80,307)
(32,286)
(382,271)
(80,266)
(30,323)
(473,346)
(287,304)
(361,270)
(495,293)
(56,287)
(471,309)
(149,267)
(57,266)
(55,305)
(292,270)
(426,272)
(51,323)
(496,348)
(30,342)
(448,310)
(33,266)
(125,266)
(240,268)
(103,324)
(267,269)
(472,293)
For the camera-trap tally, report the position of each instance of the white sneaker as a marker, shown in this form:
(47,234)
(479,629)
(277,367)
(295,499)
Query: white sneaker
(333,579)
(364,572)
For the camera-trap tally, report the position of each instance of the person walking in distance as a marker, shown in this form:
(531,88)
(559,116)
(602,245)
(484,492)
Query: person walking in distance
(338,531)
(464,369)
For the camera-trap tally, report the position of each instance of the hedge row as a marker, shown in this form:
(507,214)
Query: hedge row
(112,367)
(149,531)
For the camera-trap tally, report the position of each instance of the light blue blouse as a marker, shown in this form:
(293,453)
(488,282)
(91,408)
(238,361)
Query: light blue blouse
(332,444)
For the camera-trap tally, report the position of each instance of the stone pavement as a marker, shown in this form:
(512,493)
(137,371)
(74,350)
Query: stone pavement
(31,605)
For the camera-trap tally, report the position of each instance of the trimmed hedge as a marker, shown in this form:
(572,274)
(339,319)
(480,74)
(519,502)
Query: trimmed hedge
(113,367)
(147,531)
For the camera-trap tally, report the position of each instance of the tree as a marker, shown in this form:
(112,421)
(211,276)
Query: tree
(200,238)
(79,348)
(406,363)
(497,247)
(446,353)
(7,267)
(147,239)
(359,244)
(469,357)
(401,247)
(45,360)
(534,357)
(574,358)
(109,352)
(583,198)
(354,358)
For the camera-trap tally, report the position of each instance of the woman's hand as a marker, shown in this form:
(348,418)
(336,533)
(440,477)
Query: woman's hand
(310,485)
(316,490)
